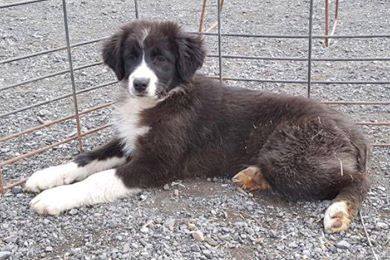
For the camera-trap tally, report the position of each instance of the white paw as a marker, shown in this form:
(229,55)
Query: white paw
(54,201)
(52,177)
(101,187)
(336,217)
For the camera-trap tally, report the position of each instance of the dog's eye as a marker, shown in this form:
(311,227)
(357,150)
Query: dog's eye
(159,58)
(132,56)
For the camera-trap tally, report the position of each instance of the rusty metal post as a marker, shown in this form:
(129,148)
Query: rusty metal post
(336,16)
(202,16)
(1,182)
(335,21)
(326,40)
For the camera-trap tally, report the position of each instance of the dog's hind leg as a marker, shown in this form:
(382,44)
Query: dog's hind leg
(345,206)
(315,159)
(102,158)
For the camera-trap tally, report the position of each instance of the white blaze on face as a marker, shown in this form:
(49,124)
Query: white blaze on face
(142,71)
(145,33)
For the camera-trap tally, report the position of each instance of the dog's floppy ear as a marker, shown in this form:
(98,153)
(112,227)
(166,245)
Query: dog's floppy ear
(112,54)
(191,54)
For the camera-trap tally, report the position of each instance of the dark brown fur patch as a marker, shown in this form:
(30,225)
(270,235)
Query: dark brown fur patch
(303,149)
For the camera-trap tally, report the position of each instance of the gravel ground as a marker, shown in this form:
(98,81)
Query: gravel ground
(197,219)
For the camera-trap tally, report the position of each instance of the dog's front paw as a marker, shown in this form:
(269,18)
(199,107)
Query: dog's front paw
(53,201)
(51,177)
(337,217)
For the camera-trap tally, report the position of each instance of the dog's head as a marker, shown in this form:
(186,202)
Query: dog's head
(151,58)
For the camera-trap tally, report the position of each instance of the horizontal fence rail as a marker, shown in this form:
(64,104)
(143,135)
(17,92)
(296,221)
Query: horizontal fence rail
(57,99)
(21,3)
(211,34)
(73,94)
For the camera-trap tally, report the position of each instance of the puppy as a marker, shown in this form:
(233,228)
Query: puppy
(172,124)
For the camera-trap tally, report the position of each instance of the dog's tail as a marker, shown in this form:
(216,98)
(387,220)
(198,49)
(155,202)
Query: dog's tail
(363,150)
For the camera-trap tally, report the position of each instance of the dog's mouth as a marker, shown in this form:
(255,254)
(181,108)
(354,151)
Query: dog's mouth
(139,94)
(136,94)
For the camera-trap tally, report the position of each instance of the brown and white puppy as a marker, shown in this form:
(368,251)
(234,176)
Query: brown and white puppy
(172,124)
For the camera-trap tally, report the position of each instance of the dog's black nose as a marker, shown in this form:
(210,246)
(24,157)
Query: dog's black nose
(140,84)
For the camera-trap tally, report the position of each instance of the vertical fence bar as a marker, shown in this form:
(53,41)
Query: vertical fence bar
(75,103)
(219,41)
(136,9)
(1,182)
(326,42)
(336,10)
(202,15)
(309,50)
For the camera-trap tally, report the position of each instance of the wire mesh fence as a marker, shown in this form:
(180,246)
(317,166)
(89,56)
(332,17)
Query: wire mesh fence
(222,75)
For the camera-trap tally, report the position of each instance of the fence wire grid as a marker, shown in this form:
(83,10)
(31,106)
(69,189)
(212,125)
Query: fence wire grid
(309,82)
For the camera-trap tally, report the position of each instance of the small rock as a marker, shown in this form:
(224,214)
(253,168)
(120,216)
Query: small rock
(11,239)
(225,237)
(207,253)
(143,197)
(382,188)
(17,190)
(191,226)
(49,249)
(176,192)
(73,211)
(381,225)
(42,121)
(166,187)
(144,229)
(170,223)
(240,224)
(178,184)
(293,244)
(198,235)
(43,112)
(195,248)
(211,241)
(343,244)
(126,248)
(5,255)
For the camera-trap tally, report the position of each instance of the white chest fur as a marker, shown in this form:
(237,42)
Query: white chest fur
(126,120)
